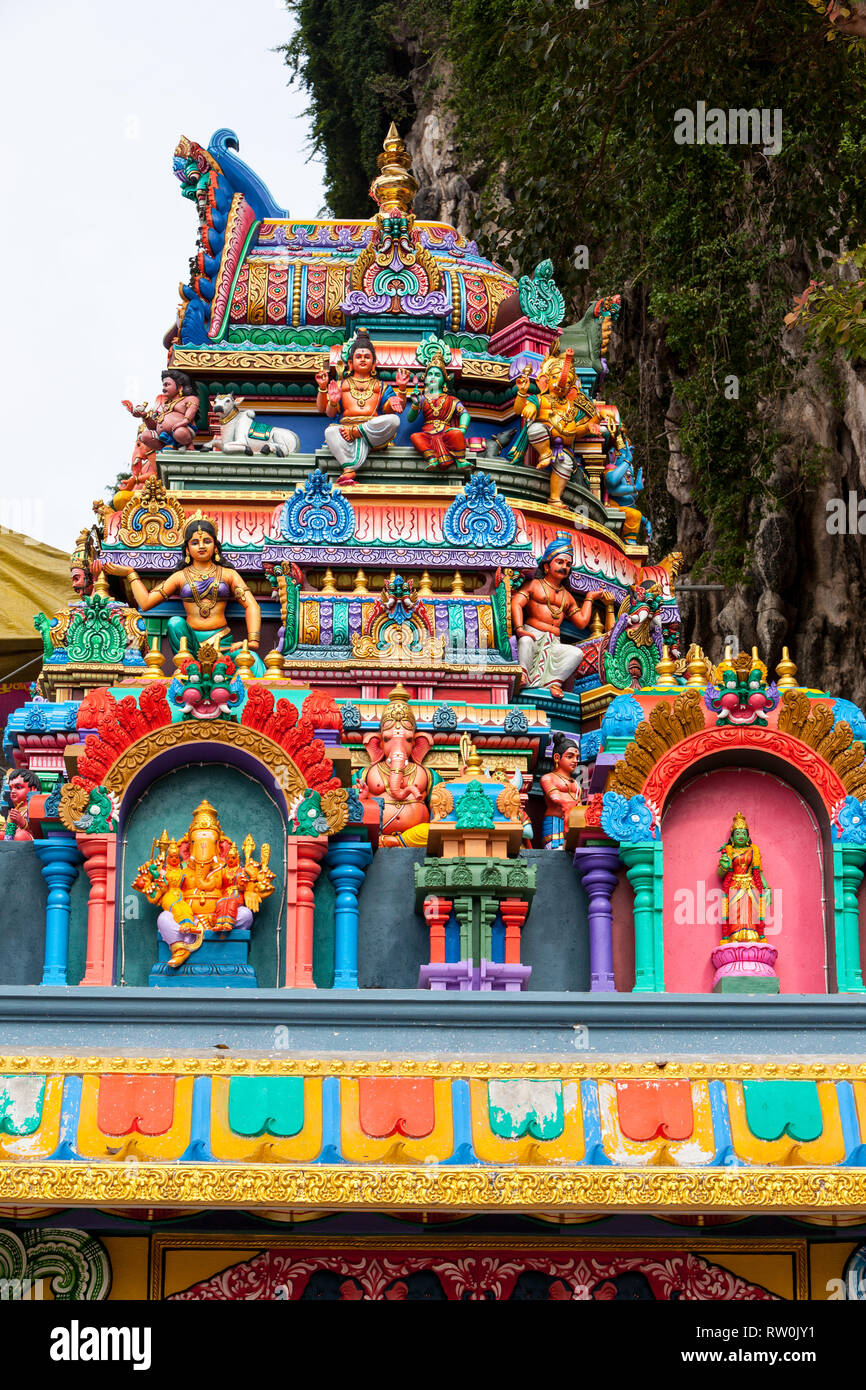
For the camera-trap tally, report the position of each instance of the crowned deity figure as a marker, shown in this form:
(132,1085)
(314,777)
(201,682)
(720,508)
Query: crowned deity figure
(442,441)
(396,777)
(746,891)
(562,791)
(200,884)
(204,585)
(555,414)
(538,611)
(370,408)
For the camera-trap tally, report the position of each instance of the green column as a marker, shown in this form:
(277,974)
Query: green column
(643,864)
(848,867)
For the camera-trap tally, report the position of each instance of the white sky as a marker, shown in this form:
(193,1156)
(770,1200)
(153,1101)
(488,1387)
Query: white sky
(95,236)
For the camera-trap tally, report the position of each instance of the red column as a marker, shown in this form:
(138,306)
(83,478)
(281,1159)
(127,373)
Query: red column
(436,914)
(303,866)
(514,914)
(100,865)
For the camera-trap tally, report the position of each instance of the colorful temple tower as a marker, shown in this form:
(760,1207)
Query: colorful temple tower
(389,906)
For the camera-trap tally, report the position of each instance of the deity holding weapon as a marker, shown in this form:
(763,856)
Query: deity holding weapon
(746,891)
(442,441)
(538,611)
(555,414)
(370,408)
(200,884)
(205,586)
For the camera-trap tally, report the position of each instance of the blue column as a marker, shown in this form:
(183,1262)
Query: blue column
(347,862)
(59,858)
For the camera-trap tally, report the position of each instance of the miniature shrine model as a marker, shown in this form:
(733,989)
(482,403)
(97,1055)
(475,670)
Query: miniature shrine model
(391,906)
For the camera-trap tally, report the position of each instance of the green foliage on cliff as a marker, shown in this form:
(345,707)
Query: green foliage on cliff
(566,120)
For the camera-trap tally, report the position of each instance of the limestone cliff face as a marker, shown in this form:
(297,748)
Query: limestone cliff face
(806,587)
(446,193)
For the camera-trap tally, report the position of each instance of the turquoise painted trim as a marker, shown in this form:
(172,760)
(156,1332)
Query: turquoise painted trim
(253,232)
(849,862)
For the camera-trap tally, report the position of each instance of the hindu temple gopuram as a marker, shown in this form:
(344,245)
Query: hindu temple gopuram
(392,905)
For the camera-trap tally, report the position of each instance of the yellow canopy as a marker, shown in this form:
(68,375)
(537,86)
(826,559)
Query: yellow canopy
(33,578)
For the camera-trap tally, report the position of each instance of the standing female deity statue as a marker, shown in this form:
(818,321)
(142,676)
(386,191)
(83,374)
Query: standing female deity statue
(746,890)
(204,585)
(562,791)
(370,408)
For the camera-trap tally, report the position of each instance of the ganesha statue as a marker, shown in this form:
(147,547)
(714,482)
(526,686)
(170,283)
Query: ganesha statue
(396,777)
(203,889)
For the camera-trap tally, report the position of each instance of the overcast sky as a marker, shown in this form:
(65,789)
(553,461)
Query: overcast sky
(95,235)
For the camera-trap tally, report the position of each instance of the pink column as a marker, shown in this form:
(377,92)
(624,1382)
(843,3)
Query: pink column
(303,866)
(100,865)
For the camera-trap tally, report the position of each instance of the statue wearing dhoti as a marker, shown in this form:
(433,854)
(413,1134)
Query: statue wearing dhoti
(370,408)
(538,611)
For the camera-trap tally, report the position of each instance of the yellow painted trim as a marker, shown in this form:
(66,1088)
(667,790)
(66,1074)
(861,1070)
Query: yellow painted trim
(739,1192)
(227,1146)
(151,1148)
(567,1147)
(550,1068)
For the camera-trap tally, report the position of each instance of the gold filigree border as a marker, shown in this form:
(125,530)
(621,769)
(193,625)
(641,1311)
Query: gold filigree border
(739,1192)
(163,1242)
(549,1070)
(171,736)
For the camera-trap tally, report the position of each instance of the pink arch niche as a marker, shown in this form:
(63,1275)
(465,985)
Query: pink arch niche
(696,821)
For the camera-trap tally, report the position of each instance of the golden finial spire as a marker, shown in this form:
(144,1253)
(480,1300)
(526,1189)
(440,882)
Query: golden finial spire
(665,667)
(697,667)
(395,186)
(244,661)
(153,661)
(786,673)
(275,666)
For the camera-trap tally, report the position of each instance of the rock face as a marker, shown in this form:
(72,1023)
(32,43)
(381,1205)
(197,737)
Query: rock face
(446,193)
(806,584)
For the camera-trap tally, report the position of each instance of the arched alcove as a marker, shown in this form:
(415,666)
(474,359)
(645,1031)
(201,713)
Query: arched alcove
(792,831)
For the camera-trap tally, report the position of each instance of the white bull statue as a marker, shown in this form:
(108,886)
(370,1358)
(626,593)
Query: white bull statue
(241,435)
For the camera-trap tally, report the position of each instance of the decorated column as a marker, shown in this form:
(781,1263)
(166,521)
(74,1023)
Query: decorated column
(59,858)
(347,862)
(598,867)
(100,865)
(304,864)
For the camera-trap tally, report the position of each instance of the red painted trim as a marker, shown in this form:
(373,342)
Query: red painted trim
(771,742)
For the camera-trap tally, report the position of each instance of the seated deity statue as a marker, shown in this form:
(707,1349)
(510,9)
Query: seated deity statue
(538,611)
(396,777)
(370,408)
(555,415)
(200,884)
(442,441)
